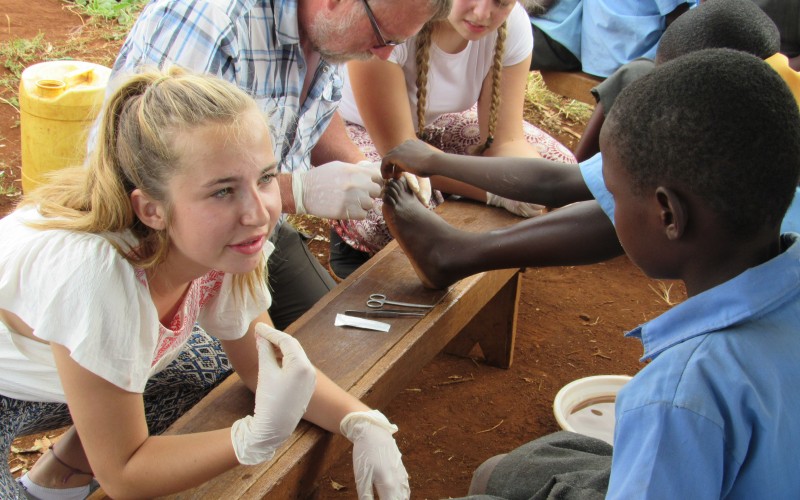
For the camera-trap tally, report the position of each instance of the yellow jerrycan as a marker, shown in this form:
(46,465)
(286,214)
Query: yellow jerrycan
(58,102)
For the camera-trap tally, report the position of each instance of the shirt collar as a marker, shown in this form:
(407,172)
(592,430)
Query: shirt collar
(754,292)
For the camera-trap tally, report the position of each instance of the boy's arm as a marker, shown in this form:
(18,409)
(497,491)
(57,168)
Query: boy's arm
(533,180)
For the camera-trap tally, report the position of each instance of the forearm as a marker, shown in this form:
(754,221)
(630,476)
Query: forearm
(335,144)
(514,148)
(532,180)
(576,235)
(287,197)
(169,464)
(330,403)
(243,353)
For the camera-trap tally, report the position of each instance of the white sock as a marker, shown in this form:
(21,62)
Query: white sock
(42,493)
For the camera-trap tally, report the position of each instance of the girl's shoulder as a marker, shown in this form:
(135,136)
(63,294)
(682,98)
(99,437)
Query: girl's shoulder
(58,251)
(519,24)
(519,36)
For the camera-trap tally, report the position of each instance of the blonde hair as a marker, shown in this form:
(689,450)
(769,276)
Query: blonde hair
(135,150)
(422,56)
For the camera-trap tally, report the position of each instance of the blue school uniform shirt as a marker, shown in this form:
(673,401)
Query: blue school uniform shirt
(592,172)
(615,32)
(562,23)
(716,413)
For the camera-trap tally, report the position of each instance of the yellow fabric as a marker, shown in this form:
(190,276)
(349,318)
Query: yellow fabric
(780,63)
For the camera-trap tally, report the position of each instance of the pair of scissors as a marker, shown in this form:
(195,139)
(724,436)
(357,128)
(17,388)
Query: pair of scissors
(384,313)
(378,300)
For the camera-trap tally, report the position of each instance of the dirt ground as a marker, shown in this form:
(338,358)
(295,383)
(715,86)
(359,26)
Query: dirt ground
(457,412)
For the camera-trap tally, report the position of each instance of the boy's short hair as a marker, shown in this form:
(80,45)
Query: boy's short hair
(732,24)
(719,123)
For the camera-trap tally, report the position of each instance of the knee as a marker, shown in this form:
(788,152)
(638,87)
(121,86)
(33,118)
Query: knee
(480,478)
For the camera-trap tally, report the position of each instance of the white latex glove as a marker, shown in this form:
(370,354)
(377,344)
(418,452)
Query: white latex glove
(282,396)
(337,190)
(377,461)
(515,207)
(420,186)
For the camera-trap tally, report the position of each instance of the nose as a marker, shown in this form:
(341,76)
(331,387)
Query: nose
(482,9)
(254,209)
(382,53)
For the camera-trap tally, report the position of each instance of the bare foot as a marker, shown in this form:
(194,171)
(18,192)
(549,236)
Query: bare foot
(430,243)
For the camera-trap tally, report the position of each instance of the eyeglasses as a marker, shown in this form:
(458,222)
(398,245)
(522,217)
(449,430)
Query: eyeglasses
(382,42)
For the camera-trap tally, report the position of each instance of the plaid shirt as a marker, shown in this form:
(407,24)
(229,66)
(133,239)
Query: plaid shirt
(253,43)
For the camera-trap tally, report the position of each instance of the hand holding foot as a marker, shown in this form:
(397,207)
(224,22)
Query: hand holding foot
(412,156)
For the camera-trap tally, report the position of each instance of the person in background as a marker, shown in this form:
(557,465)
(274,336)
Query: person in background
(460,84)
(286,55)
(598,36)
(106,271)
(556,27)
(707,26)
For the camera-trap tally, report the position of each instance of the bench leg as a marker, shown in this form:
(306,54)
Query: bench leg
(493,328)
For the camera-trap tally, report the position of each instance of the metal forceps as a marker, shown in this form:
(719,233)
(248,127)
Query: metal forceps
(378,300)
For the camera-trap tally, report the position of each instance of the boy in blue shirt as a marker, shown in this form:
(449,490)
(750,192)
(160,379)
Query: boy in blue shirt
(702,157)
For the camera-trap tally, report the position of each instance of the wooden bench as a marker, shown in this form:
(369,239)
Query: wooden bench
(373,366)
(573,84)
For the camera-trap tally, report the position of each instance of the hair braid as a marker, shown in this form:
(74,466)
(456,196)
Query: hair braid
(423,57)
(497,69)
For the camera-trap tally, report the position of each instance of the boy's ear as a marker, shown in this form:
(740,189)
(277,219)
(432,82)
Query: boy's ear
(674,213)
(148,210)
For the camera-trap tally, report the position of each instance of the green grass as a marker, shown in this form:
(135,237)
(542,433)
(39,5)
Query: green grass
(18,54)
(123,11)
(8,189)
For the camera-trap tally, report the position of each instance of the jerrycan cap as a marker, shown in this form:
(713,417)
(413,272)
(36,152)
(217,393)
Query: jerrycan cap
(50,88)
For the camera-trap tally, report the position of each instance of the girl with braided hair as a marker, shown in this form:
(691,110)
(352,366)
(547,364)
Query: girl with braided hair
(460,86)
(129,288)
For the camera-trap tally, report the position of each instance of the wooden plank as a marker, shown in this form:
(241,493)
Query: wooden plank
(372,366)
(573,84)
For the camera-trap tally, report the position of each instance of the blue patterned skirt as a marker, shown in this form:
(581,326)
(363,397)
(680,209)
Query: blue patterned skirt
(201,366)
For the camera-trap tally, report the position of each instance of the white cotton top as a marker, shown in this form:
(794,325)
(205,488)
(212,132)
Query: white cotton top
(454,80)
(77,290)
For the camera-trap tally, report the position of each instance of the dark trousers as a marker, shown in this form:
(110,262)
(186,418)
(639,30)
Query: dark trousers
(296,278)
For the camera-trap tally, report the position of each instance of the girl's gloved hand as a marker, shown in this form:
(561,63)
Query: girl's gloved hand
(377,461)
(515,207)
(284,390)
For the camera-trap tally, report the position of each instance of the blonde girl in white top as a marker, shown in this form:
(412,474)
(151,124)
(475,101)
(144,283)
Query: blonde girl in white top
(104,274)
